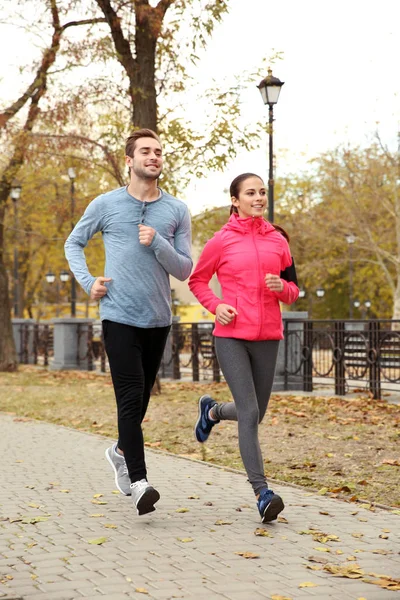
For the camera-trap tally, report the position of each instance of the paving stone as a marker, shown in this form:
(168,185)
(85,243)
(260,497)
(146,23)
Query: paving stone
(145,552)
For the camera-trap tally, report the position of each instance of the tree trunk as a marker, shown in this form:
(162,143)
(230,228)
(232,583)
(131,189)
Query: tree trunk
(143,89)
(396,302)
(8,355)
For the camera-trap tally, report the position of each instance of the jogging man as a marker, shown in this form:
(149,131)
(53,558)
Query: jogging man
(146,235)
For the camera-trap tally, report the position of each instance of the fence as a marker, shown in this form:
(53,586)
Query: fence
(343,354)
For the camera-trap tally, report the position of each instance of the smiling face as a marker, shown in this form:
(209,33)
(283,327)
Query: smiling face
(252,199)
(146,162)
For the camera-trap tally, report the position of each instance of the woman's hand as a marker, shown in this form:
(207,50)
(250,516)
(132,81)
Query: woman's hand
(225,313)
(274,282)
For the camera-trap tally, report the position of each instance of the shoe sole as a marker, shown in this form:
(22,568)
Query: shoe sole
(272,510)
(116,473)
(199,419)
(146,502)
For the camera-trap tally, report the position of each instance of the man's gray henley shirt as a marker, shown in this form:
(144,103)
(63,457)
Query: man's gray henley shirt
(139,293)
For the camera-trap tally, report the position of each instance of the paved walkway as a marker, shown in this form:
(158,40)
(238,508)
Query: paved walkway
(58,494)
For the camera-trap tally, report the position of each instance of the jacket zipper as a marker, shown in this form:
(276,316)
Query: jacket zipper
(260,290)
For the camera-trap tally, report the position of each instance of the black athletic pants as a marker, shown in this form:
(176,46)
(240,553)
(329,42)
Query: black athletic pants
(134,355)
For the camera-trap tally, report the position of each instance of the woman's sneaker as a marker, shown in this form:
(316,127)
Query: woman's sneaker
(117,461)
(204,424)
(269,505)
(144,496)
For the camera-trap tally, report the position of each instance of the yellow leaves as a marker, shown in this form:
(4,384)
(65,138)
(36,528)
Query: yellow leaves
(141,591)
(263,532)
(307,584)
(282,520)
(323,491)
(223,522)
(110,526)
(319,536)
(65,491)
(185,540)
(349,571)
(277,597)
(193,497)
(97,515)
(33,505)
(97,495)
(182,510)
(384,536)
(248,554)
(357,534)
(98,541)
(98,502)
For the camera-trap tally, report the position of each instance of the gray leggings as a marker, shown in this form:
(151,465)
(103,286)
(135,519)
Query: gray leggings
(249,369)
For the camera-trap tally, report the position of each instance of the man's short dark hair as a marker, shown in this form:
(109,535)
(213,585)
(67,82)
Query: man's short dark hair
(136,135)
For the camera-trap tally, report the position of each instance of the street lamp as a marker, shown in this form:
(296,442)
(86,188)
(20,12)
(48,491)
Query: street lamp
(15,196)
(320,292)
(72,176)
(51,278)
(302,293)
(350,239)
(270,88)
(356,304)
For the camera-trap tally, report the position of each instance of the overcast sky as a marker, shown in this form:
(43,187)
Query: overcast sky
(341,74)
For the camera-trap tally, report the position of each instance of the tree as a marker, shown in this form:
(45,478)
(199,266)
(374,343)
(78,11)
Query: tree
(19,136)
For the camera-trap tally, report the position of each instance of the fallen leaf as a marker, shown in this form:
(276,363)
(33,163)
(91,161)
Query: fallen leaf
(350,558)
(318,559)
(357,535)
(393,463)
(65,491)
(97,515)
(282,520)
(262,532)
(110,526)
(384,536)
(322,549)
(223,522)
(33,505)
(307,584)
(141,591)
(97,495)
(323,491)
(185,539)
(194,497)
(248,554)
(98,541)
(277,597)
(99,502)
(182,510)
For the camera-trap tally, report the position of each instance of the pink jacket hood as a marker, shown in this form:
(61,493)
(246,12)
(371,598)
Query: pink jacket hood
(241,254)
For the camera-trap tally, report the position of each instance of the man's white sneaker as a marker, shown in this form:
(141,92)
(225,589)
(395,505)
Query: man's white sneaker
(144,496)
(117,461)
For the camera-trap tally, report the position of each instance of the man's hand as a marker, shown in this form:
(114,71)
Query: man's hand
(146,234)
(98,288)
(225,313)
(274,282)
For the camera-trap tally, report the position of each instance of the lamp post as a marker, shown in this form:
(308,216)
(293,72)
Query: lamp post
(72,176)
(51,278)
(350,238)
(320,292)
(15,196)
(270,88)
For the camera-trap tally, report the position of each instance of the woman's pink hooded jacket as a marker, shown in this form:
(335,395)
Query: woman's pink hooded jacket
(241,254)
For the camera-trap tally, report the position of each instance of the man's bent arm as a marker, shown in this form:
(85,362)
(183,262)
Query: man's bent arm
(175,259)
(87,226)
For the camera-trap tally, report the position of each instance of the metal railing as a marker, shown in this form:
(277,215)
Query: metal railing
(342,354)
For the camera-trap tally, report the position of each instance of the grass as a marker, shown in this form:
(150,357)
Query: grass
(341,446)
